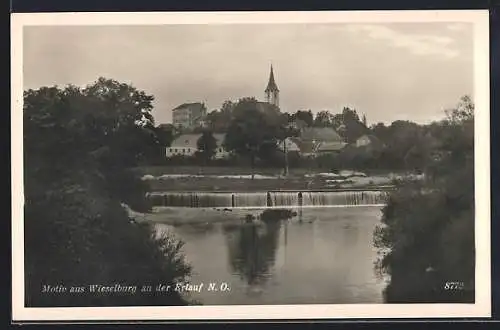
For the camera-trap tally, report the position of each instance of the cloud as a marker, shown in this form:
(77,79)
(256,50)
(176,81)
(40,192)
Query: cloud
(456,27)
(417,44)
(317,66)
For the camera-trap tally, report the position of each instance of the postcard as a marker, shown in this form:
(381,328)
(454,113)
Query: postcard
(250,165)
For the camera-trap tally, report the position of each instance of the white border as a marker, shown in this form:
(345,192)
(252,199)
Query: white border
(482,307)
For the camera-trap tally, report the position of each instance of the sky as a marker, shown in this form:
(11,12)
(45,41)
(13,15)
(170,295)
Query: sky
(399,71)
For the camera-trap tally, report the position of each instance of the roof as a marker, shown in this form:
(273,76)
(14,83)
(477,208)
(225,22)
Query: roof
(330,146)
(320,134)
(292,144)
(311,147)
(198,105)
(191,140)
(219,137)
(371,137)
(271,85)
(305,147)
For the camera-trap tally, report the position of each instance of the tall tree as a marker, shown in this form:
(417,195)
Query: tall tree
(428,228)
(323,119)
(207,146)
(78,144)
(354,128)
(252,133)
(306,116)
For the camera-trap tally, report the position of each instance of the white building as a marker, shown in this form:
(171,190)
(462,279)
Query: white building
(189,115)
(187,145)
(291,145)
(368,140)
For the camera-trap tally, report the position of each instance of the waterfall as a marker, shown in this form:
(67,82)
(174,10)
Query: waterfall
(268,199)
(328,198)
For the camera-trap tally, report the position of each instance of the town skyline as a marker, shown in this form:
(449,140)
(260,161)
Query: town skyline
(425,67)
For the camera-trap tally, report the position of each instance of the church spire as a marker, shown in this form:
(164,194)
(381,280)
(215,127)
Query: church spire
(271,85)
(272,91)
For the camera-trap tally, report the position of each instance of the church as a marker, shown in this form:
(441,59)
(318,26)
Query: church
(272,92)
(271,101)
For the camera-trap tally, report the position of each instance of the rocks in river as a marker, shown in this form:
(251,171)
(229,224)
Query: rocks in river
(273,215)
(249,218)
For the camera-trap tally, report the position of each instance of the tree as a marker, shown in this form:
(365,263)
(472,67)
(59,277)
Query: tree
(252,133)
(354,128)
(404,143)
(381,132)
(323,119)
(207,146)
(78,145)
(428,228)
(227,107)
(306,116)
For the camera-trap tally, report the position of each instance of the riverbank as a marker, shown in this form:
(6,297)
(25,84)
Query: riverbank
(240,179)
(176,216)
(202,217)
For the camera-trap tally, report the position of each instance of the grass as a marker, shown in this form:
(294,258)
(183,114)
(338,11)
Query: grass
(295,181)
(218,170)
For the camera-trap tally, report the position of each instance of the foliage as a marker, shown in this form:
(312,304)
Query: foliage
(78,143)
(253,133)
(306,116)
(323,119)
(218,121)
(207,146)
(428,228)
(353,127)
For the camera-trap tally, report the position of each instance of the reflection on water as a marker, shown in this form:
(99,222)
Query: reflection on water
(326,256)
(252,251)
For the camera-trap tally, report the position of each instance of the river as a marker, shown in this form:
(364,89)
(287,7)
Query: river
(324,255)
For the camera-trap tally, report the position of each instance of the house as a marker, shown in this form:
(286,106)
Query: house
(330,147)
(369,140)
(315,141)
(189,115)
(291,144)
(187,145)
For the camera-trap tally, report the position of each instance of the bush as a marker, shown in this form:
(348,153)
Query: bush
(77,145)
(427,231)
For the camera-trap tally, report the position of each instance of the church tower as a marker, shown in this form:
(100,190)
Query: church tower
(272,91)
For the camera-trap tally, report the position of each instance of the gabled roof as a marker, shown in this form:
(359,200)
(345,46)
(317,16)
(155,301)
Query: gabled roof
(271,85)
(330,146)
(375,142)
(305,147)
(370,137)
(185,141)
(191,140)
(198,105)
(320,134)
(219,137)
(292,144)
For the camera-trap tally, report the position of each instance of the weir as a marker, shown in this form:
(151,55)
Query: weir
(269,199)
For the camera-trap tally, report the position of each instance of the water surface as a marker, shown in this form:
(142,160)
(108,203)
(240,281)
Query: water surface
(322,256)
